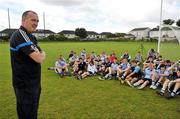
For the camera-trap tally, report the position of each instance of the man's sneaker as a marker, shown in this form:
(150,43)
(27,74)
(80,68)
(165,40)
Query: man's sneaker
(160,93)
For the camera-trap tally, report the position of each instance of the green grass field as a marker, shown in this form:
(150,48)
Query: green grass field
(68,98)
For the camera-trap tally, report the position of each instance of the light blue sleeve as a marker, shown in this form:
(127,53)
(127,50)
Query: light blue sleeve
(137,69)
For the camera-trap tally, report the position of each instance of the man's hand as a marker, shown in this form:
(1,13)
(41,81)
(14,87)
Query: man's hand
(38,56)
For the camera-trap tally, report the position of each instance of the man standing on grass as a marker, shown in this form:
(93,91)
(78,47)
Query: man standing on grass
(26,59)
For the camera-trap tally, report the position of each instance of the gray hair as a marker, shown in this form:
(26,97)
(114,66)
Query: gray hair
(25,14)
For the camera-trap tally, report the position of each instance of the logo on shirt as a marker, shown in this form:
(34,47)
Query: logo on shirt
(34,48)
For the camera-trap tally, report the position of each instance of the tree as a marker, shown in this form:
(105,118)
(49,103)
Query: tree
(120,34)
(168,21)
(178,22)
(60,37)
(110,35)
(51,37)
(81,32)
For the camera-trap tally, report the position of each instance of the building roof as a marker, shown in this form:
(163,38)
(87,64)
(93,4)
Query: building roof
(67,32)
(130,35)
(165,28)
(105,33)
(140,29)
(92,33)
(6,31)
(155,29)
(46,31)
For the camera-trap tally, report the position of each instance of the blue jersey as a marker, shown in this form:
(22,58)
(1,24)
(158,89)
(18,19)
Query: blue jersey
(137,69)
(123,66)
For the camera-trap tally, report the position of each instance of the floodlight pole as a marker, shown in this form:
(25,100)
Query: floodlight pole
(44,23)
(44,20)
(9,19)
(160,23)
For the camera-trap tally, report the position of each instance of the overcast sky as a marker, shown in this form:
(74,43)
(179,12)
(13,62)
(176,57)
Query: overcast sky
(94,15)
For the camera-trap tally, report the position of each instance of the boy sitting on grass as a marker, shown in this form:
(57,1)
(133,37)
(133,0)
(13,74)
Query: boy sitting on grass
(91,70)
(112,70)
(132,74)
(148,72)
(61,67)
(163,80)
(122,68)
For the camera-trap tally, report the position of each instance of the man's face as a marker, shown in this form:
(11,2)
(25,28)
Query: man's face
(30,22)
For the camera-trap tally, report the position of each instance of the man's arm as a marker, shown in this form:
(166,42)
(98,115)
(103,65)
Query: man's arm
(38,56)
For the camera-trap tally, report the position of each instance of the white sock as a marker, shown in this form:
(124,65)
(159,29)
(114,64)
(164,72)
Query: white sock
(157,84)
(153,83)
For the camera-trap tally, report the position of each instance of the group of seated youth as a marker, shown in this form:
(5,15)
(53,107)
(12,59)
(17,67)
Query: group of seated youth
(154,72)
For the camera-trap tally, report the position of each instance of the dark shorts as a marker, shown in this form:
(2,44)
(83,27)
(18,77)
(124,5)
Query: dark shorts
(90,73)
(138,76)
(146,79)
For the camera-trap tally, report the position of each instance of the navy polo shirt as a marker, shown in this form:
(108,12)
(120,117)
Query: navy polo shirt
(26,73)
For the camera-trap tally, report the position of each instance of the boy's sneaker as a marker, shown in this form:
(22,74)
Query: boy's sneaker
(160,93)
(101,78)
(122,77)
(154,87)
(122,81)
(61,74)
(129,83)
(177,93)
(80,77)
(140,87)
(151,87)
(109,77)
(135,84)
(171,95)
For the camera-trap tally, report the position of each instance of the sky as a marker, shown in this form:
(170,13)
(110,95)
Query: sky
(93,15)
